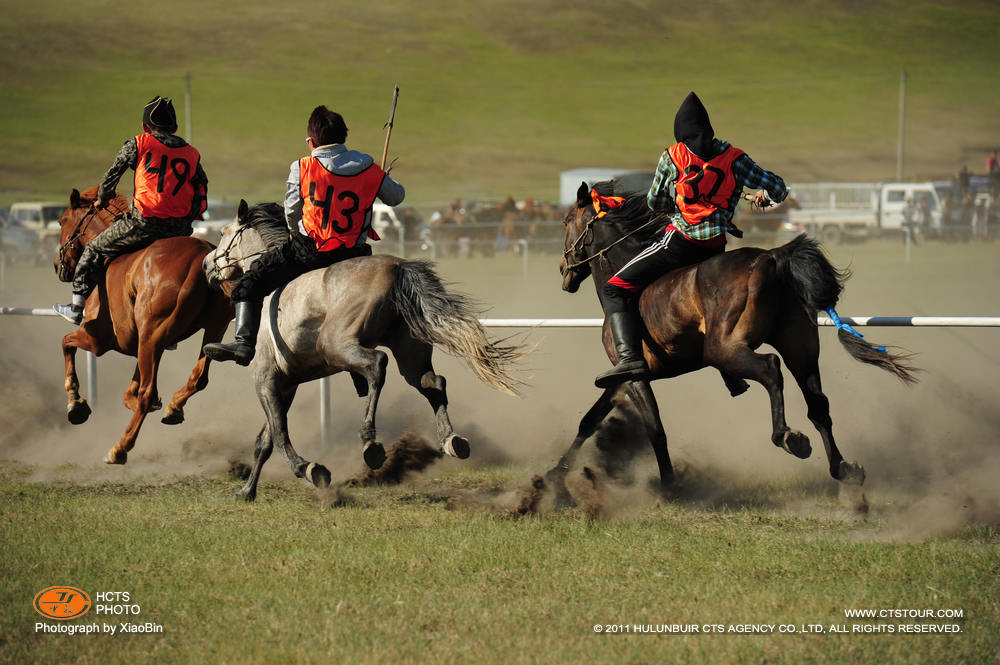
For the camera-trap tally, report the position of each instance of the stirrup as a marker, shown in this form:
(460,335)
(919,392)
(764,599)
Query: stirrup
(634,370)
(70,313)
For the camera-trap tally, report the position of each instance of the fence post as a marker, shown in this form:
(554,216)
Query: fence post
(324,412)
(91,379)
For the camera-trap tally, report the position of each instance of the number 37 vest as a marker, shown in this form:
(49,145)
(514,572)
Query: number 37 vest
(335,207)
(703,187)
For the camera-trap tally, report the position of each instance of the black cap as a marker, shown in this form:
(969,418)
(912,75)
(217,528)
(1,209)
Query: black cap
(693,128)
(159,114)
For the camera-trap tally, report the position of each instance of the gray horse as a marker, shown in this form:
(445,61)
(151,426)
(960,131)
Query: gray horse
(332,320)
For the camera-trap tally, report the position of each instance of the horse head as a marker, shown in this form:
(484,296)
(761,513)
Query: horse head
(80,223)
(575,263)
(256,230)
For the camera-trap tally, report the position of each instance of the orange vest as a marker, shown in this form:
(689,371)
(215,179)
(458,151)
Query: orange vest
(163,179)
(703,187)
(335,207)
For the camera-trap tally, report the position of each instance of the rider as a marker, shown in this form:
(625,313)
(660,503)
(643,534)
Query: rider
(698,182)
(170,192)
(328,208)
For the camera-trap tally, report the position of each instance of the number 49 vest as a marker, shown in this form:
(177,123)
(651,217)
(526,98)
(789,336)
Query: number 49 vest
(335,207)
(163,179)
(703,186)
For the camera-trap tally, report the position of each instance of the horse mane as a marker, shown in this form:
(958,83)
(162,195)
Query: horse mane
(268,219)
(633,215)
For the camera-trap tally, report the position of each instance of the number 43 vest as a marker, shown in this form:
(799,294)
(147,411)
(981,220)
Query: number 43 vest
(335,207)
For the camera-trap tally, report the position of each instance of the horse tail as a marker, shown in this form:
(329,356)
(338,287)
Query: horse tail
(440,317)
(803,266)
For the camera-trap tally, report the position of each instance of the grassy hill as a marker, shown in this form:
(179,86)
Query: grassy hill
(497,97)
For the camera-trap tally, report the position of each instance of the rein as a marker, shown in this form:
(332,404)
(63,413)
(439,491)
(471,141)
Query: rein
(81,228)
(230,246)
(589,228)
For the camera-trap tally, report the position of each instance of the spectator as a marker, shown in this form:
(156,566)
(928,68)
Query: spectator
(962,183)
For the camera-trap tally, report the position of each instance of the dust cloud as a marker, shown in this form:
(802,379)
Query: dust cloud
(931,452)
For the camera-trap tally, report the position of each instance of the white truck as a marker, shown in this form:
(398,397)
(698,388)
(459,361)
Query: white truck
(834,220)
(42,218)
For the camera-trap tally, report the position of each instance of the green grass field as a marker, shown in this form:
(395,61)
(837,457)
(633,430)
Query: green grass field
(394,576)
(498,100)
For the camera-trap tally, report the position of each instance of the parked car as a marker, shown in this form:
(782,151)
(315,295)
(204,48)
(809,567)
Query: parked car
(16,241)
(42,218)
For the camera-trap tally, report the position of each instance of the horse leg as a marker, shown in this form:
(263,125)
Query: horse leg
(148,364)
(642,396)
(77,409)
(131,397)
(276,394)
(198,379)
(798,343)
(556,476)
(261,452)
(735,358)
(413,358)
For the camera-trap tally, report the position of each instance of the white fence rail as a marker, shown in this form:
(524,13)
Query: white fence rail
(325,394)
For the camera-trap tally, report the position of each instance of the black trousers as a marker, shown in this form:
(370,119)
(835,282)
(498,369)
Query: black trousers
(670,252)
(280,265)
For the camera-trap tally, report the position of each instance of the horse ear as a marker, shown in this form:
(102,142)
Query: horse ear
(583,195)
(74,199)
(241,213)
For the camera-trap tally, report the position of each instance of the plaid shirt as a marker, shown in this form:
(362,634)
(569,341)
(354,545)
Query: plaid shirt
(662,194)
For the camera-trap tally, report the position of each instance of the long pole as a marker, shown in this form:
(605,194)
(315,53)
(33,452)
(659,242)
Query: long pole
(902,117)
(187,106)
(388,125)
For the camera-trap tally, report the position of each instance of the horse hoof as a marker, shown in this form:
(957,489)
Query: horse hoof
(374,455)
(173,417)
(797,444)
(155,405)
(456,446)
(851,473)
(246,495)
(78,412)
(319,475)
(116,458)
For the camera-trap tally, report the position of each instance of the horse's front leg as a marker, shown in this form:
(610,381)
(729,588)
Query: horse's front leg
(77,409)
(556,476)
(642,395)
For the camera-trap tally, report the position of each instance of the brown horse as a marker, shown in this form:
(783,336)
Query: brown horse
(717,313)
(149,300)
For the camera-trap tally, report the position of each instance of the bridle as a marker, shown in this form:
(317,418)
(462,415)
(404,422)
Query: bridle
(225,255)
(79,231)
(571,253)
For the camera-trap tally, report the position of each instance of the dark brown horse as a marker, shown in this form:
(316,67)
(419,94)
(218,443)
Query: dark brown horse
(149,300)
(717,313)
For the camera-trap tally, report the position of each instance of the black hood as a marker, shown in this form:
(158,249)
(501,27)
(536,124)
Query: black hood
(693,128)
(159,114)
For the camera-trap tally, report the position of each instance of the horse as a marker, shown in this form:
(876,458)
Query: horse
(148,301)
(331,320)
(718,313)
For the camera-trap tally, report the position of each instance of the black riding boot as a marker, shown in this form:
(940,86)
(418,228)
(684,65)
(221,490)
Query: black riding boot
(627,334)
(242,349)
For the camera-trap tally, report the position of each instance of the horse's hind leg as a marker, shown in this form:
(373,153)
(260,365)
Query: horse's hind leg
(413,358)
(148,358)
(131,397)
(798,343)
(735,358)
(556,476)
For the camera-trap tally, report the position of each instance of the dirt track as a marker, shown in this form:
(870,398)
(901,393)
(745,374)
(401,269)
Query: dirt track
(931,452)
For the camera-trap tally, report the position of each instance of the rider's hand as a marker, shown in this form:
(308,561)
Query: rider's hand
(760,199)
(100,205)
